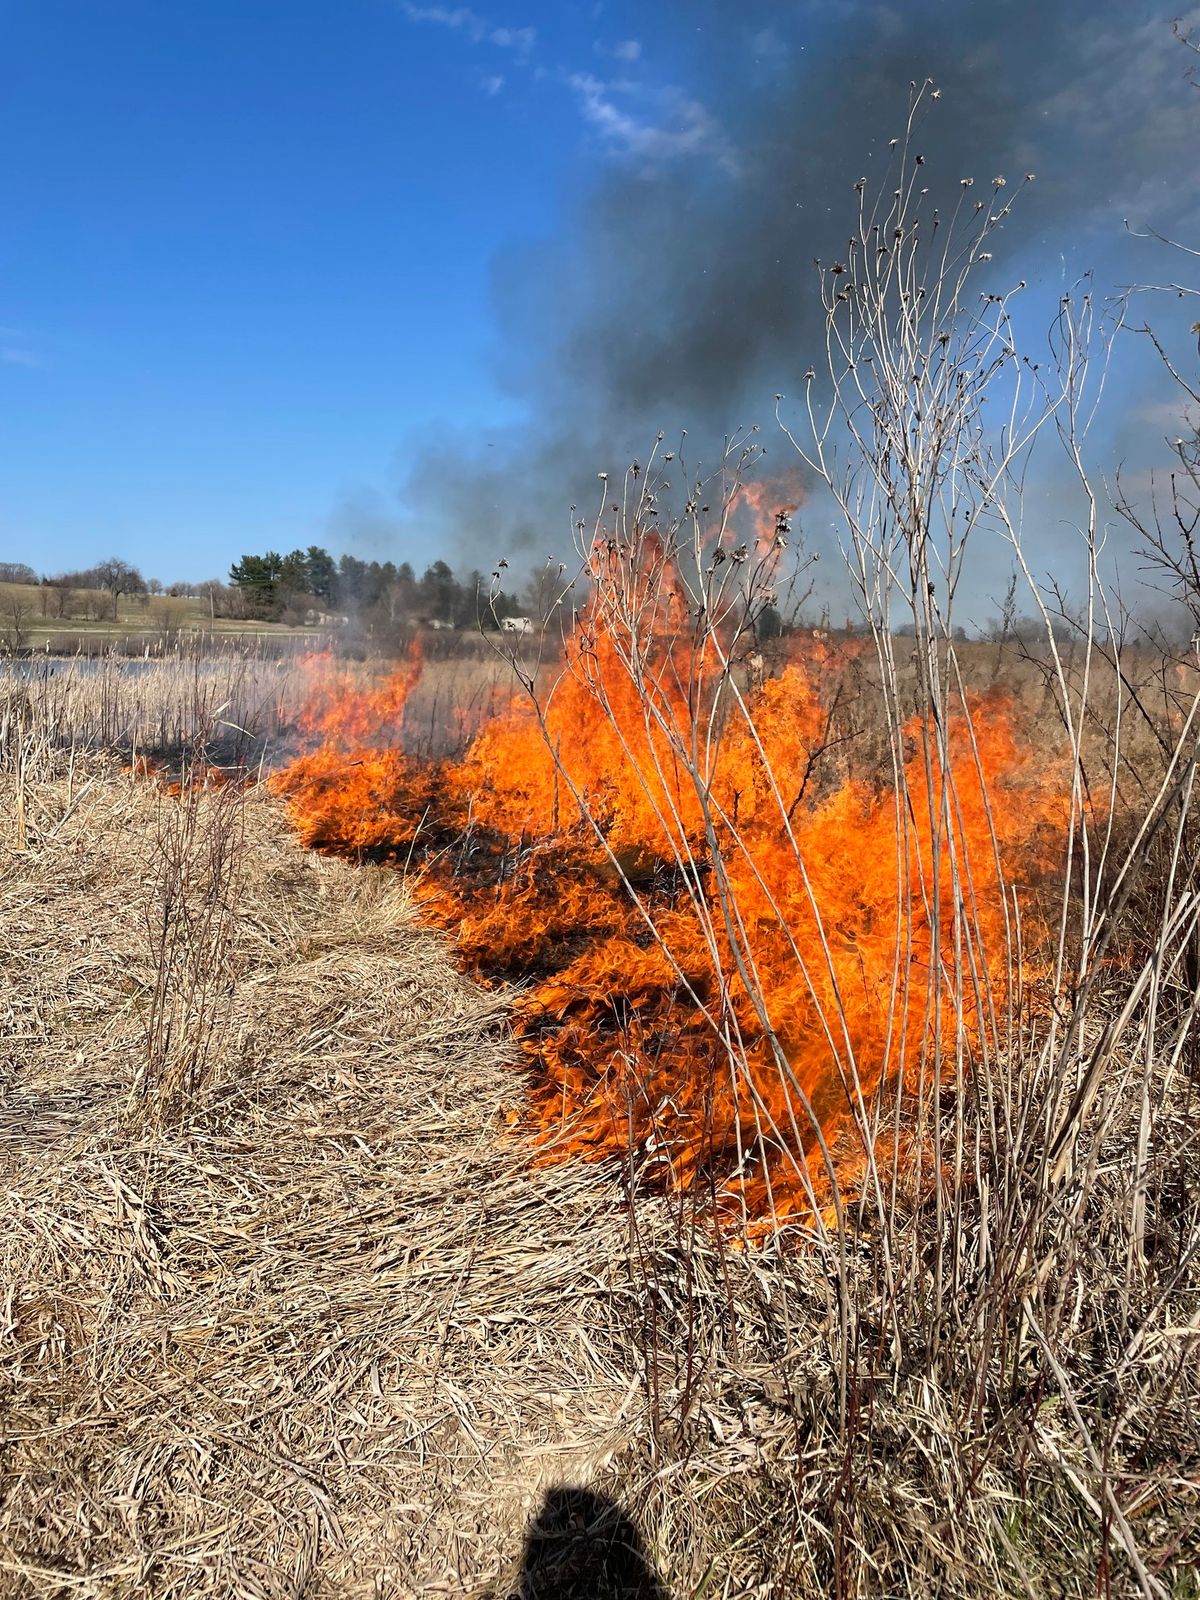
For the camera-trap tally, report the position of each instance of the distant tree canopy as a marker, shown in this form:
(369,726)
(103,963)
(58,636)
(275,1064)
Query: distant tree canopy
(16,572)
(380,594)
(376,596)
(113,578)
(119,577)
(272,584)
(769,623)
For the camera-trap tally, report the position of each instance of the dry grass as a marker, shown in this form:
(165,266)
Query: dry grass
(307,1338)
(318,1327)
(240,702)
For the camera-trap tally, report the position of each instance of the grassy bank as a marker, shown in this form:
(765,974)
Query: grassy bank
(36,617)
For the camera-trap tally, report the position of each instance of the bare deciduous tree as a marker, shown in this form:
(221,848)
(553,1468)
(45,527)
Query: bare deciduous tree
(16,613)
(117,577)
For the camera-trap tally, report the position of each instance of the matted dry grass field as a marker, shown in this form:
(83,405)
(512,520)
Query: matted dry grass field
(311,1339)
(329,1332)
(321,1326)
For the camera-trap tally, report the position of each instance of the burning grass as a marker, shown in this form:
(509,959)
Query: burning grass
(870,997)
(848,977)
(572,849)
(322,1325)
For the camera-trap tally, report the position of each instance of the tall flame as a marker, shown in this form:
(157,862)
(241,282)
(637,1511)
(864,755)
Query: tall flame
(733,926)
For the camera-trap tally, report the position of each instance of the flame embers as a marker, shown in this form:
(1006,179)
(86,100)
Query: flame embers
(738,914)
(770,505)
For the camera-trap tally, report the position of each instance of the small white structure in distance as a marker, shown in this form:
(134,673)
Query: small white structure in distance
(516,625)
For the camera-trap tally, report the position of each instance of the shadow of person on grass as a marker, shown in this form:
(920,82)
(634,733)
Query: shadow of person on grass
(582,1546)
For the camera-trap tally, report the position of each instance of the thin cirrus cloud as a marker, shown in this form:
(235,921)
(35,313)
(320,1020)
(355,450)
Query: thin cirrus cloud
(684,128)
(461,19)
(676,126)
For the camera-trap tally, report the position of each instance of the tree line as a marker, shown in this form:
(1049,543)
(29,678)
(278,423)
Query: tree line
(94,592)
(376,598)
(290,587)
(302,587)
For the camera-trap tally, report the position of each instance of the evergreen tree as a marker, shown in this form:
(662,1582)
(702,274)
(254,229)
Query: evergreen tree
(439,592)
(257,578)
(320,572)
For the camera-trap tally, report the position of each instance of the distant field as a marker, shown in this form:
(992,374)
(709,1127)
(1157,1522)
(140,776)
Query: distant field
(29,615)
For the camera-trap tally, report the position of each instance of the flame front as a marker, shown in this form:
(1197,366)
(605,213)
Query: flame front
(734,926)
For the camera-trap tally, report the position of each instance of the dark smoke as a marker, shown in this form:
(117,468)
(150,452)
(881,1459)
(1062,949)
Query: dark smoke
(683,296)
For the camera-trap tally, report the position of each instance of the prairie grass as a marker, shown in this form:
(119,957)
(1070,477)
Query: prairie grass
(234,699)
(311,1321)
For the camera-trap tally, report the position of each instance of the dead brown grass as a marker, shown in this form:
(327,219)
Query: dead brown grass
(239,702)
(308,1337)
(320,1328)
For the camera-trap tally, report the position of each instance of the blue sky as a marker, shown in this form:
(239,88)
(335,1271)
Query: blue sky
(247,256)
(275,273)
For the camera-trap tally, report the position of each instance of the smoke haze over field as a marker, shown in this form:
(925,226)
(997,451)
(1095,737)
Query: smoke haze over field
(680,292)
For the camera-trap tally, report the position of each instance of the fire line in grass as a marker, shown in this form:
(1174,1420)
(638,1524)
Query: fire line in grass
(731,931)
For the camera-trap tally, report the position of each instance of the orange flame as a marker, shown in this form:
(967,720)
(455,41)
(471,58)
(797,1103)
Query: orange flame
(349,788)
(734,931)
(770,503)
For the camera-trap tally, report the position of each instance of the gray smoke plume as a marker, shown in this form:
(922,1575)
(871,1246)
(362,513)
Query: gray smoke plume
(681,292)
